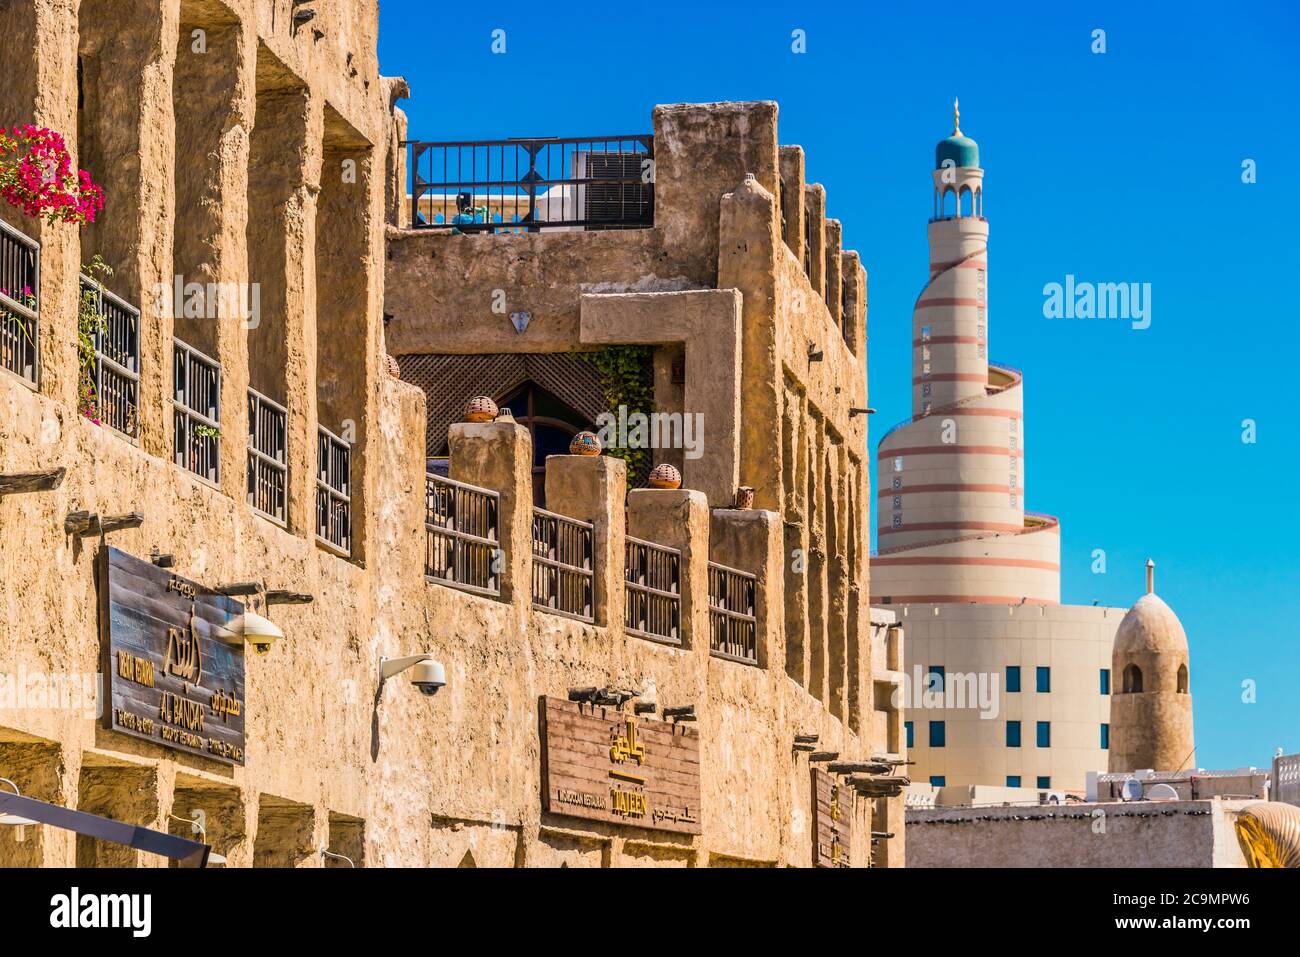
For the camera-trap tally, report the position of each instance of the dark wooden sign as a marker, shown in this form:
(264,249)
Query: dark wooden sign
(609,765)
(832,805)
(173,678)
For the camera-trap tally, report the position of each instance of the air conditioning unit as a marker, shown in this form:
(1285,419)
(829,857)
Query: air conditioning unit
(626,199)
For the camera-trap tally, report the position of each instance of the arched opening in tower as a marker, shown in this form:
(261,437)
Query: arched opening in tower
(1132,679)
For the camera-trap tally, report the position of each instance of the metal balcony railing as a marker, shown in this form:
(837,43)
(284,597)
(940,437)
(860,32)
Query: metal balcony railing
(527,185)
(268,456)
(652,585)
(733,625)
(563,580)
(20,283)
(462,538)
(110,383)
(196,412)
(333,492)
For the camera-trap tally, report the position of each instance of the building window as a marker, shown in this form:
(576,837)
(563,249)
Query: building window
(1105,737)
(937,734)
(1044,679)
(1182,679)
(898,463)
(1013,734)
(1044,782)
(1105,681)
(907,727)
(937,780)
(1013,780)
(1013,677)
(934,678)
(925,333)
(1044,734)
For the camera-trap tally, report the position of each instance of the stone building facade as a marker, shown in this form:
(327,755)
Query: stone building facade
(248,438)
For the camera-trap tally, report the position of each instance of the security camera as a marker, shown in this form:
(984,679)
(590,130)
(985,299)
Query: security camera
(428,677)
(427,674)
(253,630)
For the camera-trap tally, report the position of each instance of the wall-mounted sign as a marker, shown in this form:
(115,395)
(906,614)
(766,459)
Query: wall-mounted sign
(173,679)
(609,765)
(832,805)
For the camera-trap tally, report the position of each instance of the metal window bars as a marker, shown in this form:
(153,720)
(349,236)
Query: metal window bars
(109,390)
(733,625)
(20,283)
(268,456)
(462,544)
(196,411)
(517,185)
(562,578)
(652,586)
(333,492)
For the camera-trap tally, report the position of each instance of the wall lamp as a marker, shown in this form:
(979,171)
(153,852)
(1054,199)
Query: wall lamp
(196,827)
(330,855)
(16,483)
(429,675)
(13,820)
(259,632)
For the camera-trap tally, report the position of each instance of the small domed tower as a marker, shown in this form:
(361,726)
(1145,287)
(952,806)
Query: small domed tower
(1151,701)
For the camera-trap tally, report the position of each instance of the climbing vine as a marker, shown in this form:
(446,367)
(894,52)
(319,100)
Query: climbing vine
(627,379)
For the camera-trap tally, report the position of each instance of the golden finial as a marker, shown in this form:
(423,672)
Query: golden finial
(956,118)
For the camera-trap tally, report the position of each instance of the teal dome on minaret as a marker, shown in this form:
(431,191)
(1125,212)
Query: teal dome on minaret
(961,150)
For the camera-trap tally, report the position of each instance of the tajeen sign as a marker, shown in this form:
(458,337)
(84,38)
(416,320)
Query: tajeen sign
(609,765)
(176,677)
(831,804)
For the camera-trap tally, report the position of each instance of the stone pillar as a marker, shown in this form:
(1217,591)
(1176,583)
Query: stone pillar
(792,211)
(814,198)
(499,456)
(834,291)
(747,261)
(593,488)
(753,540)
(679,518)
(855,303)
(702,150)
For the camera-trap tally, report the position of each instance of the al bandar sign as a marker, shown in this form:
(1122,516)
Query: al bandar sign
(175,676)
(605,764)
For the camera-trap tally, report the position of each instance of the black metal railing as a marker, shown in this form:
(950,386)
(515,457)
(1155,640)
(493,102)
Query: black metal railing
(196,411)
(268,456)
(526,185)
(462,544)
(652,584)
(733,625)
(333,491)
(110,379)
(20,283)
(563,582)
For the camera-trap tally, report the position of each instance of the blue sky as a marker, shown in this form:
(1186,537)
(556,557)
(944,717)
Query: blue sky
(1122,166)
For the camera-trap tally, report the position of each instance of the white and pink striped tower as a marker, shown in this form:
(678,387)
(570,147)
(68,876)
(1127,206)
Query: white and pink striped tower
(952,525)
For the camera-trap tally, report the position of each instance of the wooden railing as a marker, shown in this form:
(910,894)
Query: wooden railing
(563,580)
(733,625)
(110,386)
(20,283)
(196,411)
(462,544)
(652,585)
(268,455)
(333,492)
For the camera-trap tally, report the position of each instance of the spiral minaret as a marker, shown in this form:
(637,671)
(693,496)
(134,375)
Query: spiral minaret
(952,525)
